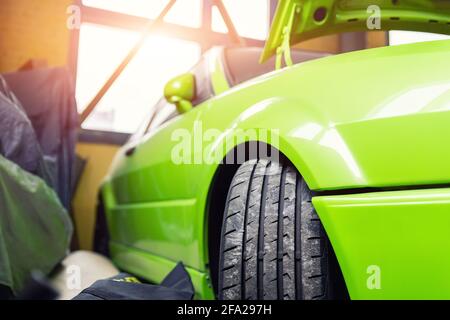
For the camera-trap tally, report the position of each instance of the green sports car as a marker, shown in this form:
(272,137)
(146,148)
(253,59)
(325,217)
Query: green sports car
(326,179)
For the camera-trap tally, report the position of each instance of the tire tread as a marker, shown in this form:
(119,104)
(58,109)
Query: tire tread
(273,244)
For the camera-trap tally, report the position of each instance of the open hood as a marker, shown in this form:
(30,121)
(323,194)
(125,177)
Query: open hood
(299,20)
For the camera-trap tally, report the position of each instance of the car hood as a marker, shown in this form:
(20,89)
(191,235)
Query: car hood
(299,20)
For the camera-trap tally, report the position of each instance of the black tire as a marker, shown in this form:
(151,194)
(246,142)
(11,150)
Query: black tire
(273,245)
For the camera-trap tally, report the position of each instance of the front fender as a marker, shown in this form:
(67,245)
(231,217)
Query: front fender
(388,128)
(302,134)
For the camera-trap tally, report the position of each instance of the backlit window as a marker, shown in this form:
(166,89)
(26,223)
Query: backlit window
(110,28)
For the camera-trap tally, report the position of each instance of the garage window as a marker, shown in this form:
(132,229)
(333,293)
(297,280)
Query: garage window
(140,85)
(250,17)
(151,8)
(110,28)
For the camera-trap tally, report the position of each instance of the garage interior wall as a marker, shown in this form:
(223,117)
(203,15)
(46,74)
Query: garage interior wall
(37,30)
(33,29)
(98,158)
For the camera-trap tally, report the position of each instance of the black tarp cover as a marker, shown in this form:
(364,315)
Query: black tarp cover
(35,228)
(18,141)
(48,98)
(176,286)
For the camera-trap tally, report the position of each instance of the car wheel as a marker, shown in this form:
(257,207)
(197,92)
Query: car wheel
(273,245)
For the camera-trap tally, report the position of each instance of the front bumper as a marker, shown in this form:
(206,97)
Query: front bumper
(391,245)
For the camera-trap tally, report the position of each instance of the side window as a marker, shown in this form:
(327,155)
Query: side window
(162,112)
(203,87)
(167,112)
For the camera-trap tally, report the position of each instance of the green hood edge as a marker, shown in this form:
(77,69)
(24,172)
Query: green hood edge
(299,20)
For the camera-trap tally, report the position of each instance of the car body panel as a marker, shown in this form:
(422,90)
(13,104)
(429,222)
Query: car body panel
(400,236)
(400,103)
(298,18)
(349,123)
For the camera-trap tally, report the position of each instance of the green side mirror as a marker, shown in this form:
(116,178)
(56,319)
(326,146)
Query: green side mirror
(180,91)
